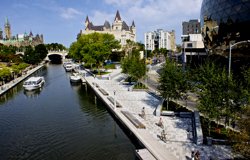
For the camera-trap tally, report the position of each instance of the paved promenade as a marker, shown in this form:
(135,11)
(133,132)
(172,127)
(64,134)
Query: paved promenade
(4,88)
(178,143)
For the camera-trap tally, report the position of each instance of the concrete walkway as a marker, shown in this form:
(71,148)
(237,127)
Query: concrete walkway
(4,88)
(178,144)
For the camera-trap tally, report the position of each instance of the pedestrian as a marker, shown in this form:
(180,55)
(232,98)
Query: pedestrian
(143,112)
(192,154)
(197,155)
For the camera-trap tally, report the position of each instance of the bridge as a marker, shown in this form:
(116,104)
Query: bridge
(56,55)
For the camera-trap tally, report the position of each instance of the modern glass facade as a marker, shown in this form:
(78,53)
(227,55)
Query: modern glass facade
(224,22)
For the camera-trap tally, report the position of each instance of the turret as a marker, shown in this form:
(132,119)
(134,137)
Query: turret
(117,16)
(133,27)
(117,25)
(86,22)
(7,29)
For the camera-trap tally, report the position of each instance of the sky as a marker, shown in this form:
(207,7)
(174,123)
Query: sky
(61,20)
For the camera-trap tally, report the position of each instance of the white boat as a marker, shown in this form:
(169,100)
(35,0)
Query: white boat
(75,78)
(33,83)
(68,67)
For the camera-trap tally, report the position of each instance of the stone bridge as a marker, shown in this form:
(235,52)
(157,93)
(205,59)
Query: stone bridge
(56,54)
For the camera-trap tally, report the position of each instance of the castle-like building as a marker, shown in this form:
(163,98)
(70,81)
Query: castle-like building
(119,29)
(19,39)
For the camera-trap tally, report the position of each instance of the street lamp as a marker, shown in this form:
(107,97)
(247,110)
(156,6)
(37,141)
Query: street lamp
(114,100)
(230,54)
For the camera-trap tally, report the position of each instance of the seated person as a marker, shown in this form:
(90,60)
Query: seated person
(160,123)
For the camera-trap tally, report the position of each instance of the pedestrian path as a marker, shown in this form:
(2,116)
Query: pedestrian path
(4,88)
(178,144)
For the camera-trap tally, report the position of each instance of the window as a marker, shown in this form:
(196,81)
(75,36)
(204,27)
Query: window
(189,45)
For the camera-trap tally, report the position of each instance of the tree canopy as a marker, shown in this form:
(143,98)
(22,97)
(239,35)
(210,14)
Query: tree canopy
(55,47)
(34,56)
(133,65)
(94,48)
(173,81)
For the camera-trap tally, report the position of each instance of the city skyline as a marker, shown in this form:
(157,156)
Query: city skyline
(61,21)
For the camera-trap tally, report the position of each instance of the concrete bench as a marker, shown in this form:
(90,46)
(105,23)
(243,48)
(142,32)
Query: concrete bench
(103,92)
(167,113)
(134,120)
(111,99)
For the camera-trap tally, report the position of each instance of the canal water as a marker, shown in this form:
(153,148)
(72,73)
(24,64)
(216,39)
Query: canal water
(59,122)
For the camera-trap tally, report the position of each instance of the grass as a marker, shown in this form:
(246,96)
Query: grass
(140,86)
(109,66)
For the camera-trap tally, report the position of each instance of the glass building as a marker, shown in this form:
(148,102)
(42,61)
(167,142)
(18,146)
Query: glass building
(224,22)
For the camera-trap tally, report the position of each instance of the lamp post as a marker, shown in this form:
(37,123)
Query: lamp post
(114,100)
(230,53)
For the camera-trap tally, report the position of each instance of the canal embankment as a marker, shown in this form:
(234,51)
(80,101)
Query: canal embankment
(7,86)
(179,141)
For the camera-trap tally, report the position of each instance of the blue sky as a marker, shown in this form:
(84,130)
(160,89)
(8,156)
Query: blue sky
(61,20)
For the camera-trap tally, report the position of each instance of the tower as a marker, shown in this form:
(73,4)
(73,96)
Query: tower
(133,29)
(7,29)
(87,23)
(117,25)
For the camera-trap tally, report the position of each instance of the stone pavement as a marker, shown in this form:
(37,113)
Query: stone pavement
(179,130)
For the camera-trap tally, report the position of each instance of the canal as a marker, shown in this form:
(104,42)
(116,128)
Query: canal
(59,122)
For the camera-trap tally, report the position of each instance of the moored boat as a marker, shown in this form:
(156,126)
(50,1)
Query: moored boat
(33,83)
(75,78)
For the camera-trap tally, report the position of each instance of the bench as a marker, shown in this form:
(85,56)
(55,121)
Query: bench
(103,92)
(111,99)
(133,120)
(167,113)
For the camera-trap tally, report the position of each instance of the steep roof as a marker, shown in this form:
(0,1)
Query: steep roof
(106,24)
(125,26)
(133,24)
(117,16)
(87,19)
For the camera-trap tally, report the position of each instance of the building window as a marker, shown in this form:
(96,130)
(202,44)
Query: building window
(189,45)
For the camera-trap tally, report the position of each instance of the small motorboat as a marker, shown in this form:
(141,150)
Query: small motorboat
(75,78)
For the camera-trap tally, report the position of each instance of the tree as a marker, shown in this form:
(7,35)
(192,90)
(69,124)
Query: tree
(35,56)
(221,97)
(94,48)
(41,51)
(55,47)
(5,74)
(241,140)
(134,66)
(173,82)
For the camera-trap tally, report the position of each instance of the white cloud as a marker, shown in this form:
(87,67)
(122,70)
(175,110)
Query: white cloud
(69,13)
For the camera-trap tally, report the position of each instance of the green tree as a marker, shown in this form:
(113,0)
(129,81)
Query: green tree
(173,82)
(5,74)
(29,56)
(41,51)
(134,66)
(221,97)
(94,48)
(241,140)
